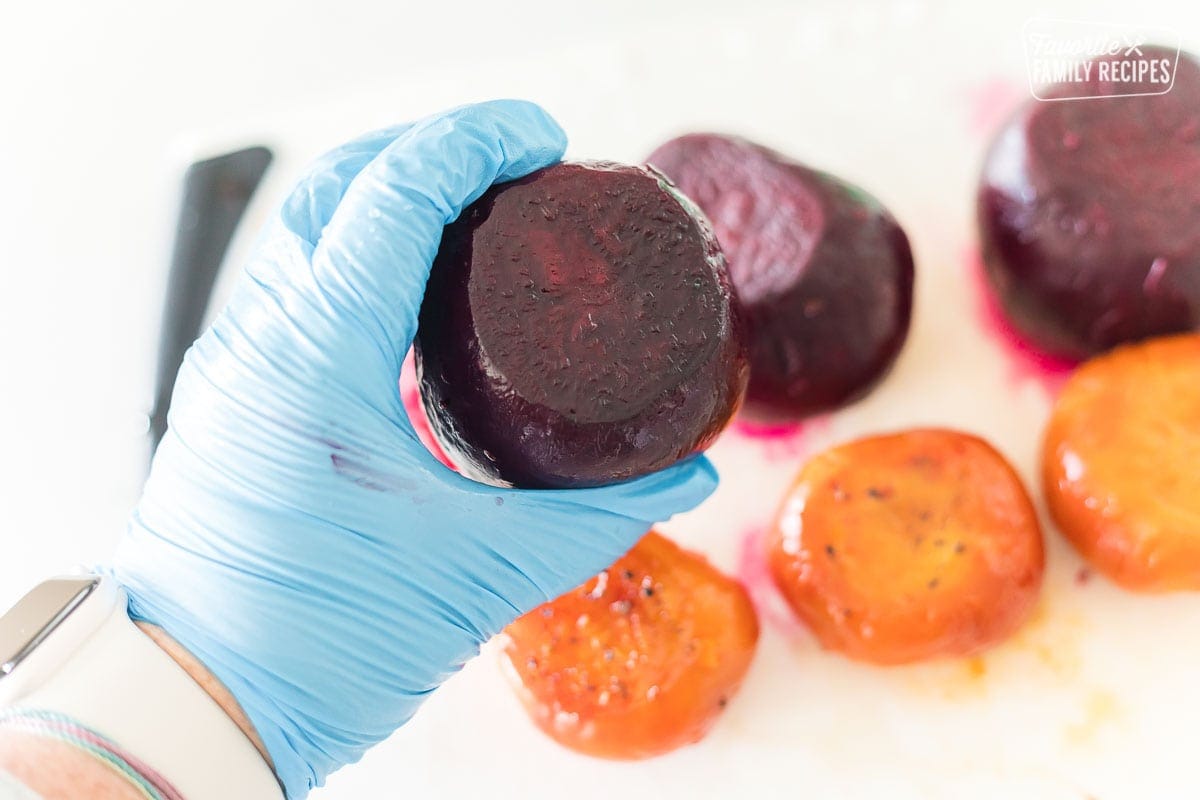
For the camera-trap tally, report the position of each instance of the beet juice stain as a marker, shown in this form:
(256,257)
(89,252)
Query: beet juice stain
(990,102)
(780,442)
(1025,361)
(410,398)
(755,574)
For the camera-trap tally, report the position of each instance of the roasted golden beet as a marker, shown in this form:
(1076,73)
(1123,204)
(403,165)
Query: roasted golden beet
(908,546)
(1121,463)
(639,660)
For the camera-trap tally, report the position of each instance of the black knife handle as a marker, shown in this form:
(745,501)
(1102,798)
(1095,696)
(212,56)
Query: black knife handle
(216,193)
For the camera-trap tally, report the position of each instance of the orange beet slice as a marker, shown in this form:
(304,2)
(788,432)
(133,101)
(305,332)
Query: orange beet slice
(639,660)
(908,546)
(1121,463)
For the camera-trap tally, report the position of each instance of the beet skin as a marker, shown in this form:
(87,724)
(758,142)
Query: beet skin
(1089,213)
(578,329)
(823,271)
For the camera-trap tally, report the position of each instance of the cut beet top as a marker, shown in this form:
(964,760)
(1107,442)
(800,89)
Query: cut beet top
(578,329)
(1119,463)
(638,661)
(908,546)
(1089,214)
(824,273)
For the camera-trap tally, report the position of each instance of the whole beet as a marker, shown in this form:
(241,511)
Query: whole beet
(578,328)
(823,271)
(1089,213)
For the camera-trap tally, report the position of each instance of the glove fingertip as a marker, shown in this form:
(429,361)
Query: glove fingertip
(696,479)
(654,497)
(545,140)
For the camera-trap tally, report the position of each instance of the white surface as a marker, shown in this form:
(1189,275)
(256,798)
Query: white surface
(1094,698)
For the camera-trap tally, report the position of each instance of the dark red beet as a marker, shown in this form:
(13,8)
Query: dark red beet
(823,272)
(578,329)
(1089,214)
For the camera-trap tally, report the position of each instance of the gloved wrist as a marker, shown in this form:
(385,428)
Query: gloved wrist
(294,535)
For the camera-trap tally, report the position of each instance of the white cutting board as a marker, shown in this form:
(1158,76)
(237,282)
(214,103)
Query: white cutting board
(1095,697)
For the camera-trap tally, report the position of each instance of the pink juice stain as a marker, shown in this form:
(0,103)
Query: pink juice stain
(990,102)
(755,575)
(1025,361)
(410,397)
(780,440)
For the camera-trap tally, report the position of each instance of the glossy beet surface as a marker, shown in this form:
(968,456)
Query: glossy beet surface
(1121,463)
(638,661)
(1089,215)
(908,546)
(823,271)
(578,329)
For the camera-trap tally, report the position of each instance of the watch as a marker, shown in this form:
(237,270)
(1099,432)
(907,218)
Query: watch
(68,646)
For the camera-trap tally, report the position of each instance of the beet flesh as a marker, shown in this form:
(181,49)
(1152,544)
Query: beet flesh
(1089,214)
(578,329)
(822,270)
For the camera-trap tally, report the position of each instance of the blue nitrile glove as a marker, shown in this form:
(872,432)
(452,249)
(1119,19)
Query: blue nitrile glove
(294,535)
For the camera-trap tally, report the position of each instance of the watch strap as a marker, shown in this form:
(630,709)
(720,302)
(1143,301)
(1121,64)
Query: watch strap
(121,684)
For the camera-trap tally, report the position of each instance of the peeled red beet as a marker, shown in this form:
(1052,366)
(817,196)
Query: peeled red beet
(822,270)
(1089,213)
(578,329)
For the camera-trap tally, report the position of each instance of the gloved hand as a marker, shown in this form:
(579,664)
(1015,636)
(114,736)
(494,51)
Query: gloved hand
(294,535)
